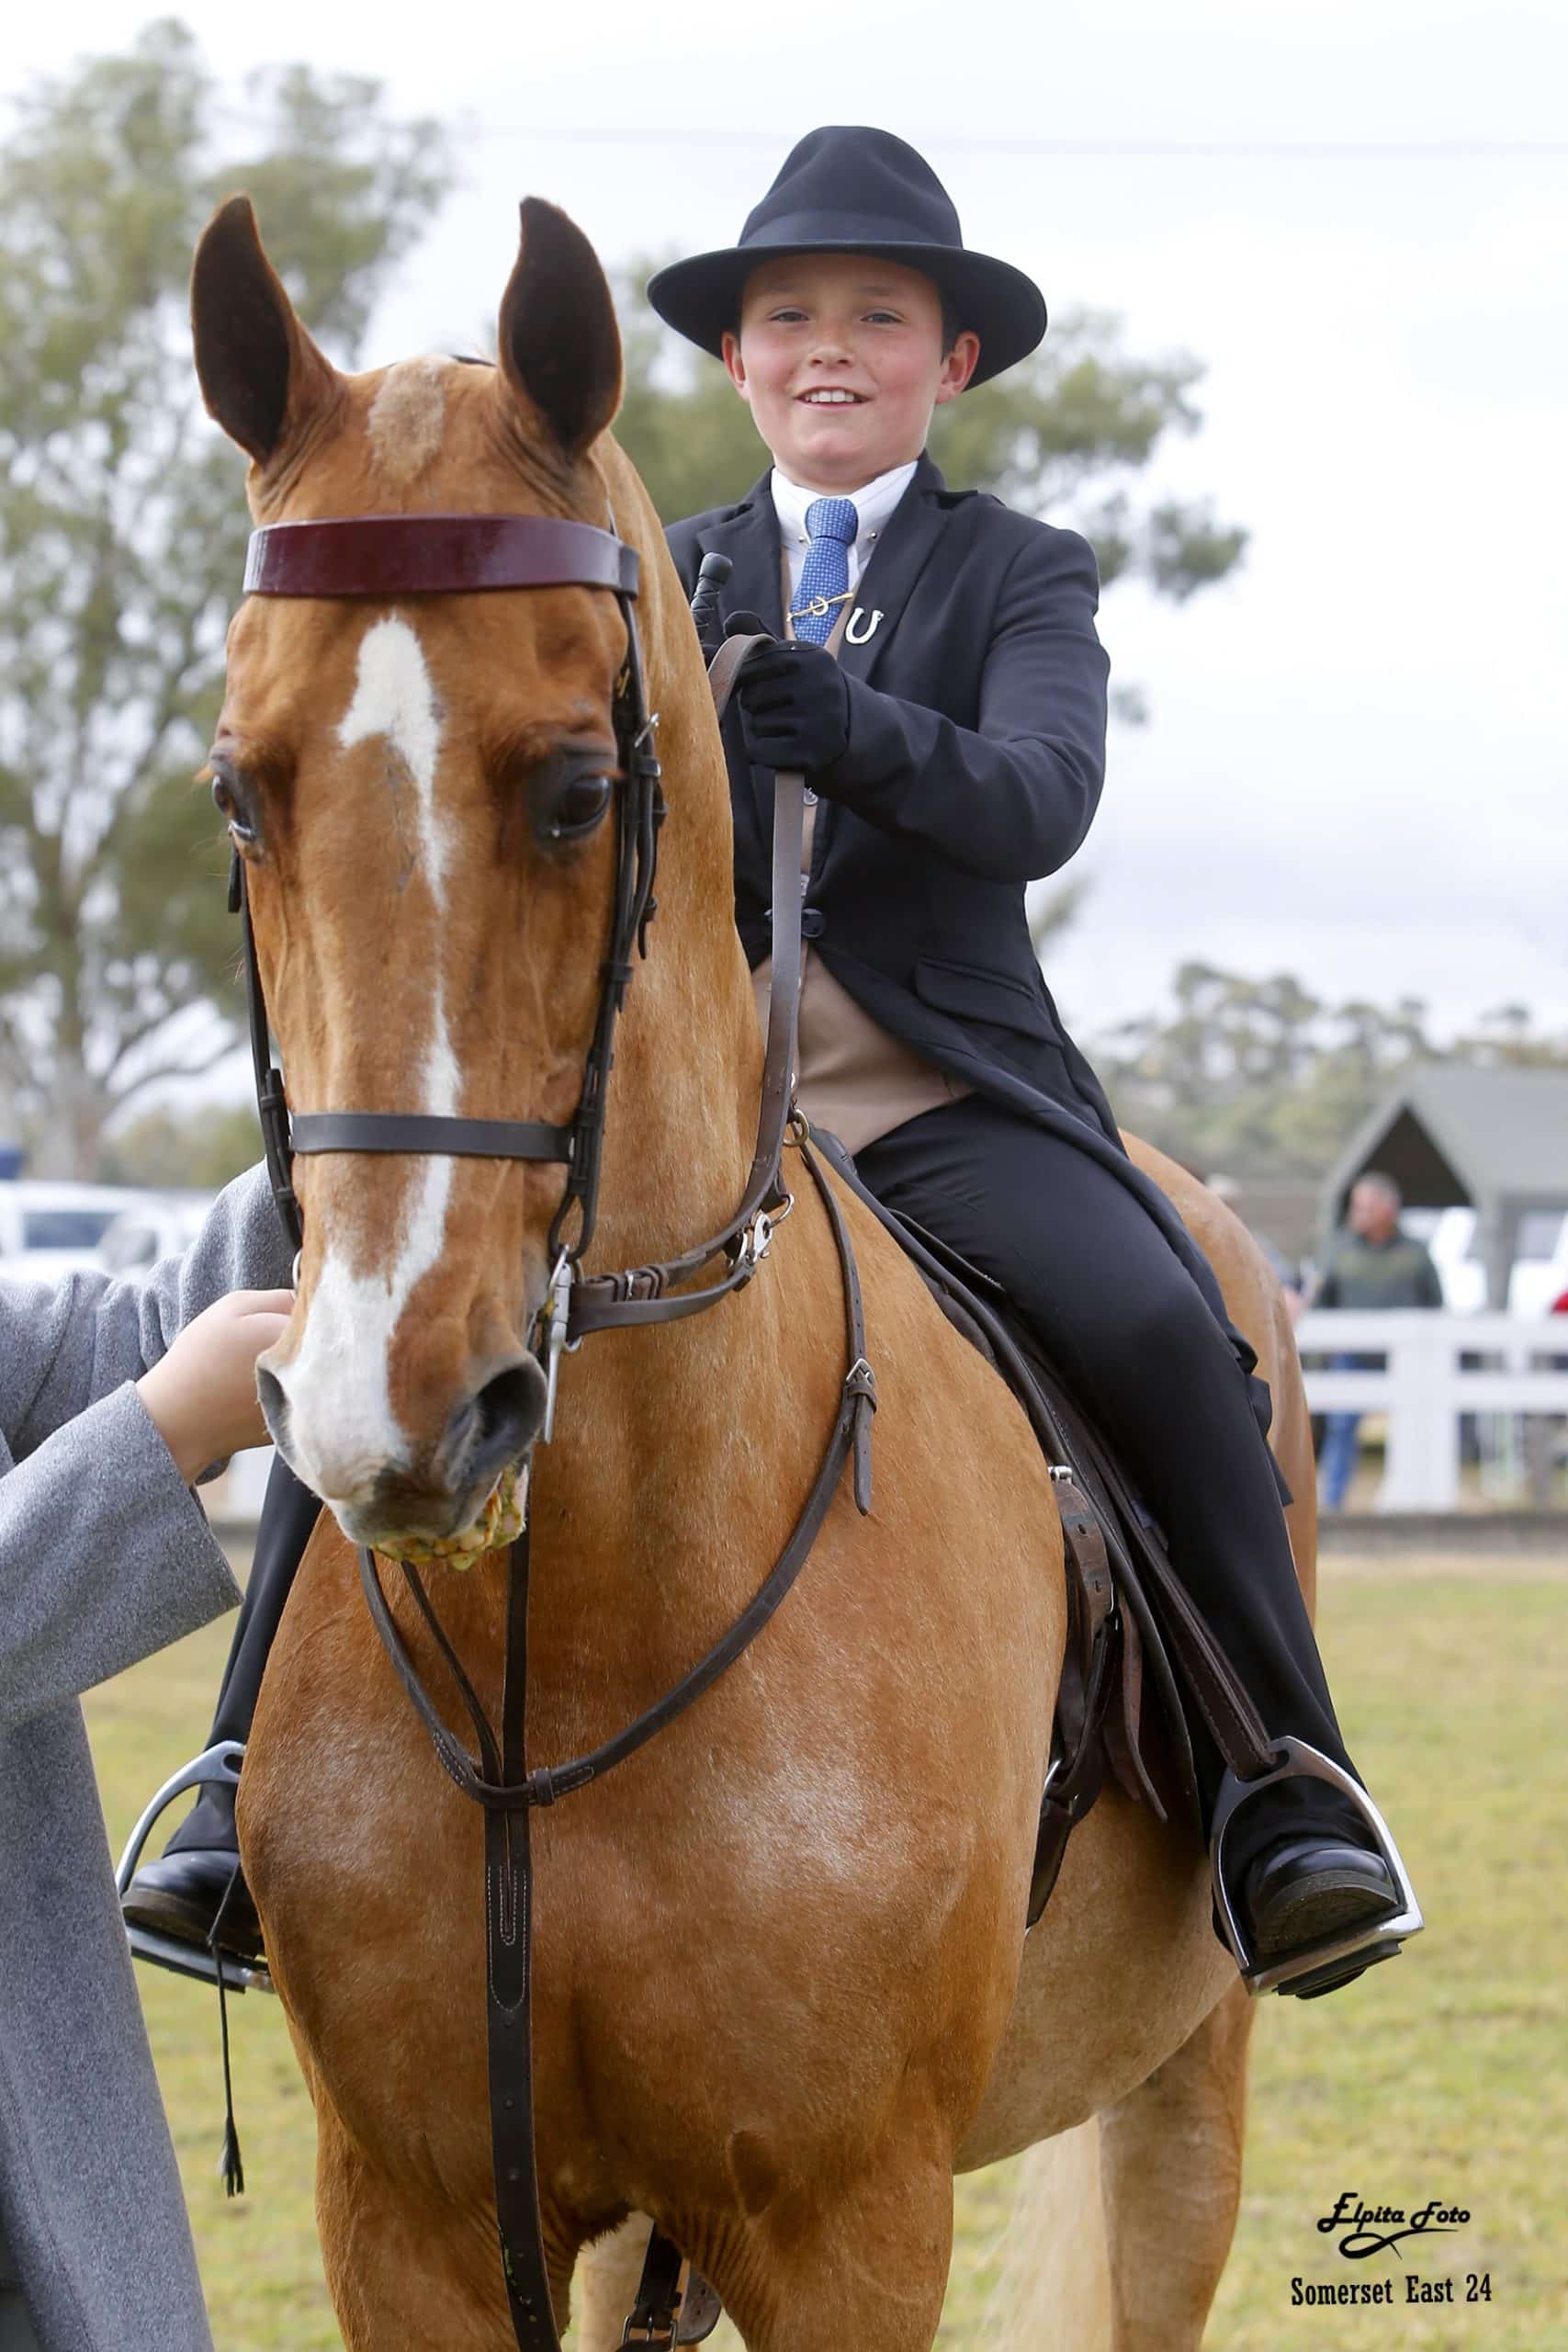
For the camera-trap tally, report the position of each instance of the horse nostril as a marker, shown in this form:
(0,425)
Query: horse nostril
(504,1418)
(274,1403)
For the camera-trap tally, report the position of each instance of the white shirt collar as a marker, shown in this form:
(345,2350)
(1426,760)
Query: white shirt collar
(872,505)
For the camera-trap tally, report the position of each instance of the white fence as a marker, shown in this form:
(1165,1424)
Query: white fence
(1424,1386)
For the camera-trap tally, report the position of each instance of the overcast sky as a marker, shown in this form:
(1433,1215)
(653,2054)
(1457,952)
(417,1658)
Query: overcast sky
(1355,767)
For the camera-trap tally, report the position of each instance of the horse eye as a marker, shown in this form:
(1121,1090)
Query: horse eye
(229,808)
(575,806)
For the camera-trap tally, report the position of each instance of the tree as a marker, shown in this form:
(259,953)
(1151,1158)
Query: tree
(203,1150)
(1261,1079)
(122,530)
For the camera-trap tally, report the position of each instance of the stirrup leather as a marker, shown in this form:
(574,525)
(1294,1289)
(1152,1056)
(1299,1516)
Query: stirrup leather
(1296,1759)
(220,1764)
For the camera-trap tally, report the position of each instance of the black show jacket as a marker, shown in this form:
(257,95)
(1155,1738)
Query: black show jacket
(977,753)
(976,758)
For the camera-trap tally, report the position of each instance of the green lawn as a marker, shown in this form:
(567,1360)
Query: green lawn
(1444,2075)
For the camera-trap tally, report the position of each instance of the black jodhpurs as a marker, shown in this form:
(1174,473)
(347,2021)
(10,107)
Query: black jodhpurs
(288,1513)
(1130,1332)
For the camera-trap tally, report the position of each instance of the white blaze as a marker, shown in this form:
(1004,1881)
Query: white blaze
(393,696)
(343,1429)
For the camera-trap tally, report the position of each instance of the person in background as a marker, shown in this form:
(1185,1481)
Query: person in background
(1371,1264)
(115,1399)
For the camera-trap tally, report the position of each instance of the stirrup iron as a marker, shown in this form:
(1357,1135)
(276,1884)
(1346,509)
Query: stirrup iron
(1296,1759)
(220,1764)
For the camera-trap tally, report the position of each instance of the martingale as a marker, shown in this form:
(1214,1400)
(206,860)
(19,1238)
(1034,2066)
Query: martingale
(391,555)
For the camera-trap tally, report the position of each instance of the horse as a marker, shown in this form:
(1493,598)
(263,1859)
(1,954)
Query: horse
(783,1987)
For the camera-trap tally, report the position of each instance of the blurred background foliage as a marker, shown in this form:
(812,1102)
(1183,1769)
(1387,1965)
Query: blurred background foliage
(122,535)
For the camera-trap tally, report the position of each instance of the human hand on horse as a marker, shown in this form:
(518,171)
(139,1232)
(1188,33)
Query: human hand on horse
(794,708)
(201,1395)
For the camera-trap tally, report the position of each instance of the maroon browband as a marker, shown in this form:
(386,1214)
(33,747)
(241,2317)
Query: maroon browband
(434,555)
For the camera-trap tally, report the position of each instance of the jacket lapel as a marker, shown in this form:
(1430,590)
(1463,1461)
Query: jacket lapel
(902,553)
(751,540)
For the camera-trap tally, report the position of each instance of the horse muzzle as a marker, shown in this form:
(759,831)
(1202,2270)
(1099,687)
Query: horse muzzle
(397,1496)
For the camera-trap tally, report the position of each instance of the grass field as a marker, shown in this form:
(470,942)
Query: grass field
(1444,2075)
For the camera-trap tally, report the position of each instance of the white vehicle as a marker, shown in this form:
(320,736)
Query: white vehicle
(1539,1271)
(49,1230)
(160,1226)
(1449,1237)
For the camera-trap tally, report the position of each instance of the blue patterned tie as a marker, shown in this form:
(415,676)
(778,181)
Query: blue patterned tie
(830,528)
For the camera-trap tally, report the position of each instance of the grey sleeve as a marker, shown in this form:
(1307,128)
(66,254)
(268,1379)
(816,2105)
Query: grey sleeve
(104,1553)
(65,1346)
(105,1557)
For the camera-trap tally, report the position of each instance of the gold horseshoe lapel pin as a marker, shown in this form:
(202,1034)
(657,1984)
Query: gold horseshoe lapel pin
(862,625)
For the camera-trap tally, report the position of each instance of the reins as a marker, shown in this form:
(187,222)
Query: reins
(393,555)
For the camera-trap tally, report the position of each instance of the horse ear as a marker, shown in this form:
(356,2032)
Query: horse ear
(259,370)
(561,347)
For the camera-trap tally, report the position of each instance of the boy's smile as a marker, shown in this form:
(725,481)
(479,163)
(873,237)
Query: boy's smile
(842,358)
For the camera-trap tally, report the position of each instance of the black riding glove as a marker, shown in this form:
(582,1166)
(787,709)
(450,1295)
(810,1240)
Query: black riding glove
(795,708)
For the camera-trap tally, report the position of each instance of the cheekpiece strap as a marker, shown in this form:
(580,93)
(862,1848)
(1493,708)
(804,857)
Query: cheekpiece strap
(434,555)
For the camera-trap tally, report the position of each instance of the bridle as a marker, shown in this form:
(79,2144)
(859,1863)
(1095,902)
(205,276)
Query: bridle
(387,556)
(391,555)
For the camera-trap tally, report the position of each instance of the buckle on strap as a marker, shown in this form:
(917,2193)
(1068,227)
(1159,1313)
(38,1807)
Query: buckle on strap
(557,1314)
(1297,1759)
(753,1244)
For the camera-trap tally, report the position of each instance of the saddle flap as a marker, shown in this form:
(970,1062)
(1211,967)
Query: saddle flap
(1149,1746)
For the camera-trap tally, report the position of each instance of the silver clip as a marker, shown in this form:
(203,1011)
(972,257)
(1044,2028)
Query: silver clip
(756,1241)
(557,1313)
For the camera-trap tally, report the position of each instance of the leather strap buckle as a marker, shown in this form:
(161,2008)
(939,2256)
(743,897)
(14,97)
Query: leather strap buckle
(558,1314)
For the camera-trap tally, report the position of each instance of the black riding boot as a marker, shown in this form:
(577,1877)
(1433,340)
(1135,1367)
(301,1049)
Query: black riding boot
(180,1896)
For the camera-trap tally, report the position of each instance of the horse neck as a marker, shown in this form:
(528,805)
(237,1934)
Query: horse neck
(676,1447)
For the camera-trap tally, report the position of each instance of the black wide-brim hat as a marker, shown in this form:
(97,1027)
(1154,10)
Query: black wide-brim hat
(850,190)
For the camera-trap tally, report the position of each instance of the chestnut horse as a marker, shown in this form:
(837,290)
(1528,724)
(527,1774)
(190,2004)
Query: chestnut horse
(783,1987)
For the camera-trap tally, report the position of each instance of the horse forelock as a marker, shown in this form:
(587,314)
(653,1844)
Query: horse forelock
(407,419)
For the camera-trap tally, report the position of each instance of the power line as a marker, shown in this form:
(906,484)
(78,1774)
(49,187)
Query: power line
(1289,149)
(1316,151)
